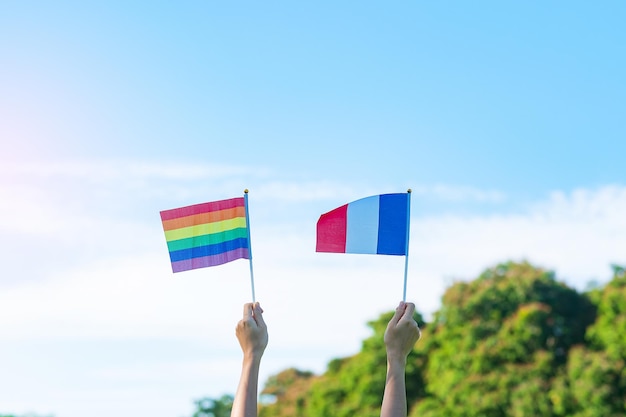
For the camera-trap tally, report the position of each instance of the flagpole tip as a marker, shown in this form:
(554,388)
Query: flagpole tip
(245,191)
(408,191)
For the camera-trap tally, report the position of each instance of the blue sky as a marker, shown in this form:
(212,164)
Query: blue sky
(505,119)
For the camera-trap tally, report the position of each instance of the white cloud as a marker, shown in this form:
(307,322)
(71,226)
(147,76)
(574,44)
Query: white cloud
(107,170)
(136,297)
(448,192)
(578,235)
(183,181)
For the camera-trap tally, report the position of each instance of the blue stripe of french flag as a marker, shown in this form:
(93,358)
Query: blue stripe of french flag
(372,225)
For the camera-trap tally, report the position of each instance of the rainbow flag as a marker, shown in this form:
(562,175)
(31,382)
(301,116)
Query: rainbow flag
(207,234)
(373,225)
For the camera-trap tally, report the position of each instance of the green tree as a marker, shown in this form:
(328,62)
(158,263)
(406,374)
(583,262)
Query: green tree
(593,384)
(212,407)
(288,390)
(498,341)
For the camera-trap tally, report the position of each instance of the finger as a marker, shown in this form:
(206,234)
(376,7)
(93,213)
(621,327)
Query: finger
(408,311)
(247,311)
(398,313)
(258,314)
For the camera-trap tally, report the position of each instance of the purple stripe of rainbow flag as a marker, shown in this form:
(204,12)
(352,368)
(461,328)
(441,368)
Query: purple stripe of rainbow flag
(206,234)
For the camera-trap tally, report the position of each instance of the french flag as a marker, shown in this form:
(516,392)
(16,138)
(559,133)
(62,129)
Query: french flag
(373,225)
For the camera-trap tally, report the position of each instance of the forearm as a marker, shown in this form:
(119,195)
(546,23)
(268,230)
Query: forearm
(394,397)
(245,403)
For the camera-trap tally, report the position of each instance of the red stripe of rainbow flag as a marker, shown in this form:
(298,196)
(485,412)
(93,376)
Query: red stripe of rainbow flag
(206,234)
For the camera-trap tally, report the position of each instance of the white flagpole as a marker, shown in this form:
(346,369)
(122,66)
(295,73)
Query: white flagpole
(245,199)
(408,232)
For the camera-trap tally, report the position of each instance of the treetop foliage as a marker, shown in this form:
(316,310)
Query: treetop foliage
(513,342)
